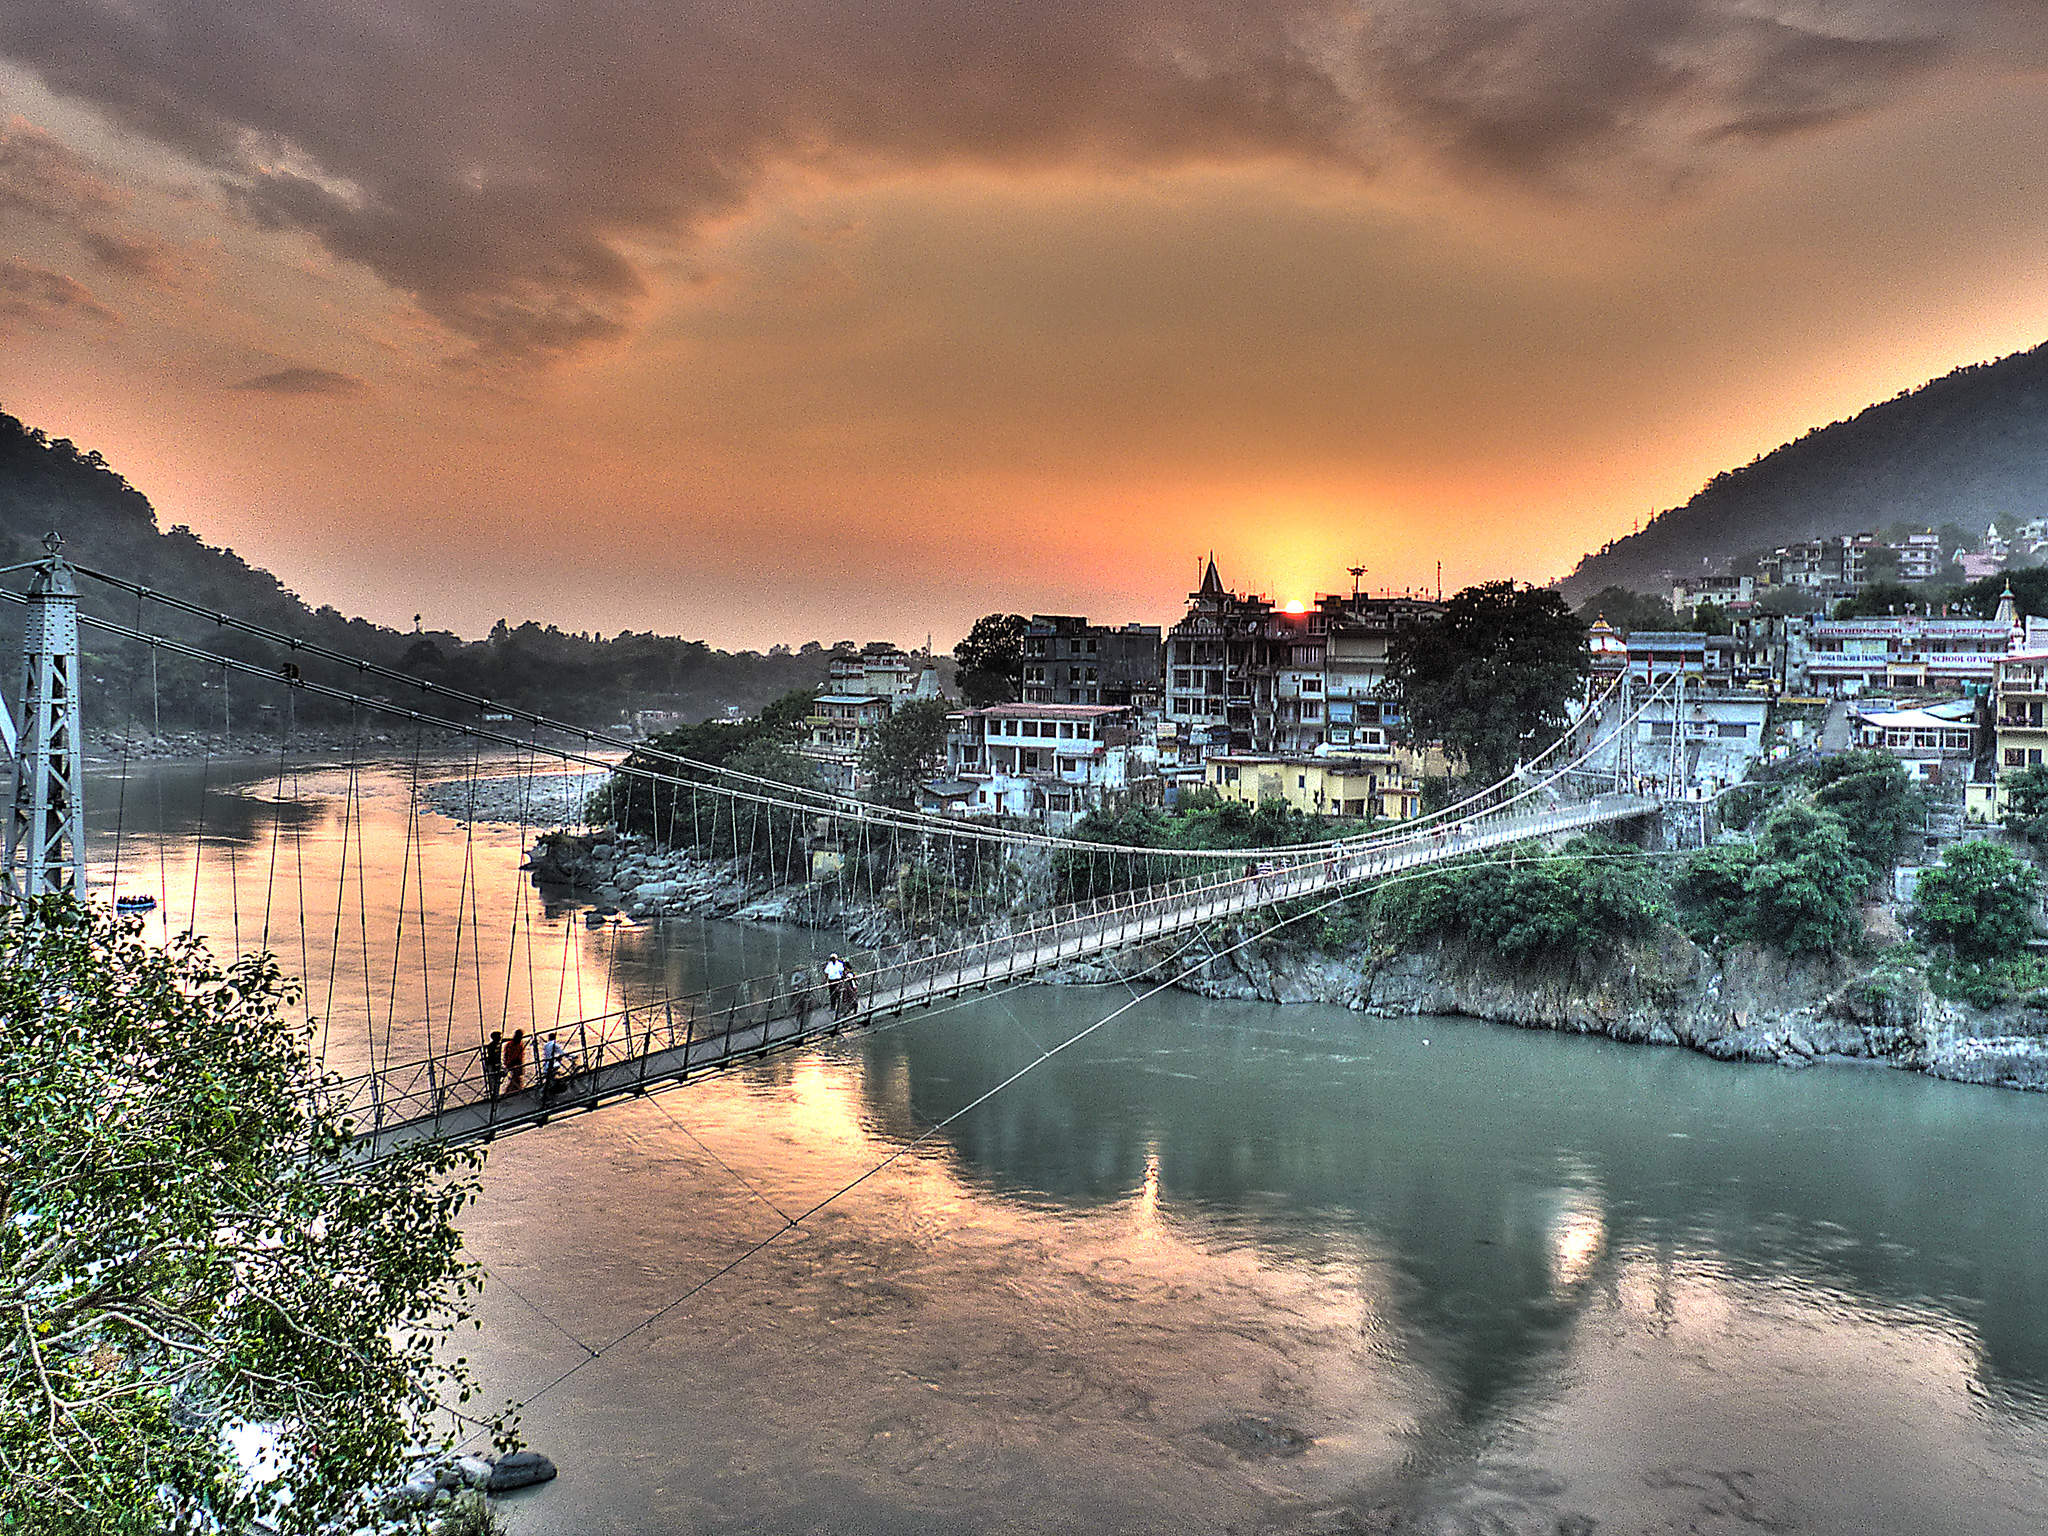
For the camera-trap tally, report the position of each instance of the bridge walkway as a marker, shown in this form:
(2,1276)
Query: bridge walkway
(625,1053)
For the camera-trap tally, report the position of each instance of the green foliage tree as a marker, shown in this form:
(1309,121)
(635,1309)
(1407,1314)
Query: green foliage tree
(1979,900)
(1878,600)
(1596,891)
(188,1243)
(1801,897)
(1881,566)
(2026,801)
(1875,797)
(905,750)
(1778,601)
(1710,619)
(1492,675)
(2029,592)
(1712,892)
(991,659)
(1628,611)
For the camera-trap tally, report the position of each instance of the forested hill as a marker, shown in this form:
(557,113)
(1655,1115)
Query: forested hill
(51,485)
(1968,448)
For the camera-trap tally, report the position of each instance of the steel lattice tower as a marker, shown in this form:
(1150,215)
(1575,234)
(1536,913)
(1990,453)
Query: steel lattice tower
(46,829)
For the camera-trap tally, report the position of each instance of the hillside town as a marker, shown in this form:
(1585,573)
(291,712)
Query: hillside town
(1252,700)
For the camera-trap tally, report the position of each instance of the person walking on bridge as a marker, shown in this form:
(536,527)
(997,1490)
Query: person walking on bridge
(494,1063)
(515,1062)
(552,1060)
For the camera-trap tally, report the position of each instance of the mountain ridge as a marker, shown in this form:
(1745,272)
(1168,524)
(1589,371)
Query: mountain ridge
(1969,447)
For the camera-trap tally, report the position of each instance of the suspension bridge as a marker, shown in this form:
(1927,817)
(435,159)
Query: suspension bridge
(967,903)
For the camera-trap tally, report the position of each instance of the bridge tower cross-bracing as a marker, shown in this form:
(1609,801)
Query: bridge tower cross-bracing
(46,828)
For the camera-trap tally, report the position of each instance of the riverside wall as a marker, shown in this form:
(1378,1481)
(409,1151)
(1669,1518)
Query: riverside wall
(1740,1004)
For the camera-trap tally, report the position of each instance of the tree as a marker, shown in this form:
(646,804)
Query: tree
(1881,565)
(1801,896)
(992,659)
(189,1242)
(1712,891)
(1490,678)
(1628,611)
(1784,600)
(905,750)
(1979,899)
(2026,801)
(1875,797)
(1709,618)
(1879,599)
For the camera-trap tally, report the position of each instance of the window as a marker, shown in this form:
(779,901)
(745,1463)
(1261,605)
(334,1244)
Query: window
(1301,781)
(1311,685)
(1735,729)
(1311,711)
(2033,756)
(1066,731)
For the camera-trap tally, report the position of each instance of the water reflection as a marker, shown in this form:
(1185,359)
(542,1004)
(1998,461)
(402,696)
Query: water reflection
(412,932)
(1505,1174)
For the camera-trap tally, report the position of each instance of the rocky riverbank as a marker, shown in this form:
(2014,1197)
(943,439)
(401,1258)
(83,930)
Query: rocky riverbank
(1743,1004)
(527,799)
(632,876)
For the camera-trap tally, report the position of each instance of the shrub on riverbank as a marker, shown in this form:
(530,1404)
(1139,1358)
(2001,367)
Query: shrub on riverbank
(1202,820)
(1533,904)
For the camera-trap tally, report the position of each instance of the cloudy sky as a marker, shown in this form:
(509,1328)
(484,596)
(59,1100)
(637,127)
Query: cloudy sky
(854,318)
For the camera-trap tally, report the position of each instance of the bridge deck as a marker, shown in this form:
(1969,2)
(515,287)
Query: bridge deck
(625,1053)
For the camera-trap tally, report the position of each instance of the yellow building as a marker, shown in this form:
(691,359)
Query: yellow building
(2019,714)
(1381,785)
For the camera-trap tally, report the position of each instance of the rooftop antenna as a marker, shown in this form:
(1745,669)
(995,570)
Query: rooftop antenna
(1439,581)
(1356,572)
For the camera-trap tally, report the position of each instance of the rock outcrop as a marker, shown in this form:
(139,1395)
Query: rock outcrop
(1742,1004)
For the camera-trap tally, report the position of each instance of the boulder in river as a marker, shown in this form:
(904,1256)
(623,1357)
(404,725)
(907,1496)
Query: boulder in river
(520,1469)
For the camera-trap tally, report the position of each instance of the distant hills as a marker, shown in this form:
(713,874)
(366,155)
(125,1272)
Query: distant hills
(51,484)
(1968,448)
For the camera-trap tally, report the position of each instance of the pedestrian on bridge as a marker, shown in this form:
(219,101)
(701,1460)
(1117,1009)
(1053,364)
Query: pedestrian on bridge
(553,1059)
(515,1062)
(494,1062)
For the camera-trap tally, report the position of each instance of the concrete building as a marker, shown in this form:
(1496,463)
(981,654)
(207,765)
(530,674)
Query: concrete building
(1736,594)
(1380,785)
(1937,742)
(1245,676)
(840,727)
(1067,660)
(2019,715)
(1840,658)
(1654,654)
(1052,763)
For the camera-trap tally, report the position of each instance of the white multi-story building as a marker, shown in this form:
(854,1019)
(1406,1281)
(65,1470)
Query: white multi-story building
(1046,762)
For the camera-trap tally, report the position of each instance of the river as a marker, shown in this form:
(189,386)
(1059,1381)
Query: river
(1216,1266)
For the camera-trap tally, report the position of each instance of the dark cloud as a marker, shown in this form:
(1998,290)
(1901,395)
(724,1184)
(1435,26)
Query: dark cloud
(304,381)
(498,164)
(134,255)
(40,297)
(42,176)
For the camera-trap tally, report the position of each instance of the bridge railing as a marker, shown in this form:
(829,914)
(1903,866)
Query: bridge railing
(714,1025)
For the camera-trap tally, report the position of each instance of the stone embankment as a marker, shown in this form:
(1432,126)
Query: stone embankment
(525,799)
(632,876)
(1744,1004)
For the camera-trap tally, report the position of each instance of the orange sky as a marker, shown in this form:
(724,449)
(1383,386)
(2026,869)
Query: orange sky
(811,320)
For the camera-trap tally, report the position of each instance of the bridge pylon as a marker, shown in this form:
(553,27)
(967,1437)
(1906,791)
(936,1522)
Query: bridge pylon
(45,852)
